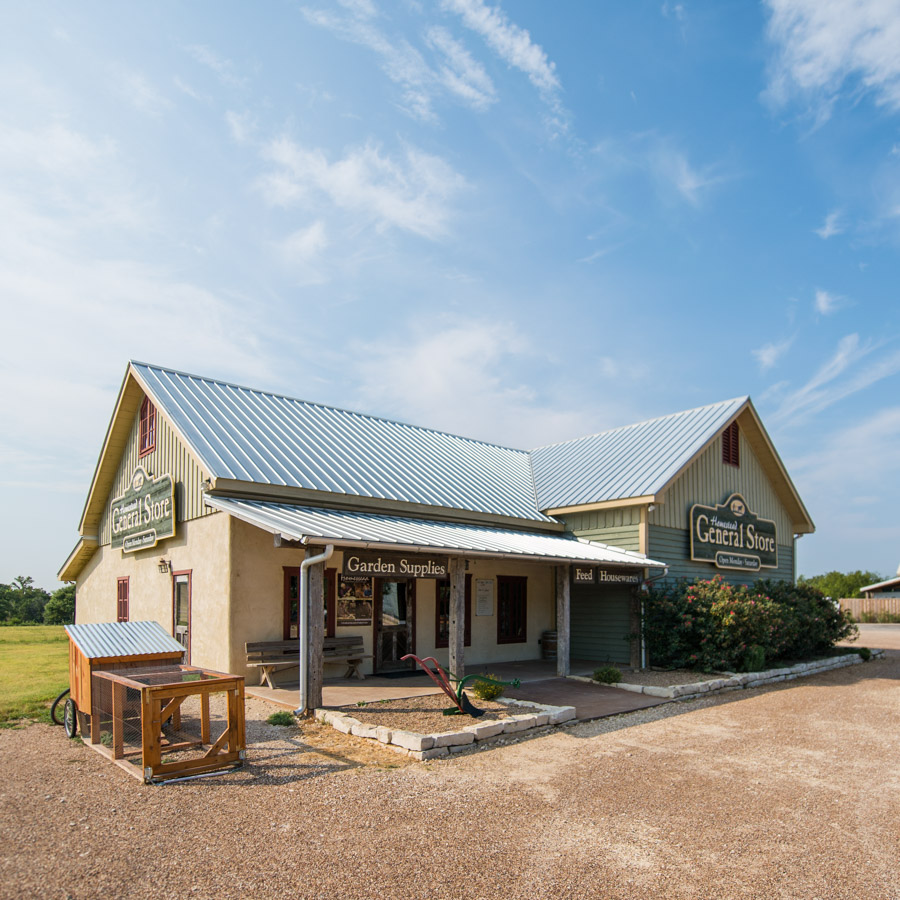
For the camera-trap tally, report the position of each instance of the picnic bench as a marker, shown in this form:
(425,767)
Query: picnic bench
(272,656)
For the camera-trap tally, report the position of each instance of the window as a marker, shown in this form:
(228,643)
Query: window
(181,611)
(148,427)
(731,444)
(512,609)
(122,599)
(291,601)
(442,613)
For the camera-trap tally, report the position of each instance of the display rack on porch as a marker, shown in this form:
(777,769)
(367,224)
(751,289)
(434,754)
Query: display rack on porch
(137,704)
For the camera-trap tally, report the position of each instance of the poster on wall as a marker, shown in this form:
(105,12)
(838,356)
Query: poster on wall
(484,596)
(354,600)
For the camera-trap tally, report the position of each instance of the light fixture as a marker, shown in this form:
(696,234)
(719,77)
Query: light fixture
(165,566)
(651,507)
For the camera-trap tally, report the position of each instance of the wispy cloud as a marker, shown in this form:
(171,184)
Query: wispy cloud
(461,73)
(822,46)
(826,303)
(831,226)
(140,92)
(768,355)
(224,69)
(241,125)
(412,193)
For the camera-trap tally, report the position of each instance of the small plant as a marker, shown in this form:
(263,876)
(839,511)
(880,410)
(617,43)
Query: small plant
(755,658)
(106,739)
(282,717)
(865,654)
(487,690)
(360,702)
(607,675)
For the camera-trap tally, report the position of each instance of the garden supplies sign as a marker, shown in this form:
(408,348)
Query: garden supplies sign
(387,566)
(732,537)
(144,514)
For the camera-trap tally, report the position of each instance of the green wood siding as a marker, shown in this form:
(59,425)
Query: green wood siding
(671,545)
(709,481)
(170,457)
(619,527)
(600,623)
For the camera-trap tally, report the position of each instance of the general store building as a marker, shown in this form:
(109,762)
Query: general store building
(207,497)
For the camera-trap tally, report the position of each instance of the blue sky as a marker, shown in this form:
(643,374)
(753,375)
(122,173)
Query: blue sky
(522,222)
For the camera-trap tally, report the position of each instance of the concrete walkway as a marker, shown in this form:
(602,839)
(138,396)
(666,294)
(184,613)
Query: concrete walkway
(591,701)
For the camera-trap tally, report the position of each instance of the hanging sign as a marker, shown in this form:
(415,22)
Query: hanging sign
(730,536)
(144,514)
(605,576)
(383,565)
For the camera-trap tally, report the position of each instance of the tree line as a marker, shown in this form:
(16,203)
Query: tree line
(838,585)
(24,603)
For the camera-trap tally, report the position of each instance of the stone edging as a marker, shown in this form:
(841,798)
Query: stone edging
(434,746)
(732,681)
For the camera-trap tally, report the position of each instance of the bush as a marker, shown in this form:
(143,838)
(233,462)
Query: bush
(282,717)
(865,654)
(487,690)
(712,625)
(607,675)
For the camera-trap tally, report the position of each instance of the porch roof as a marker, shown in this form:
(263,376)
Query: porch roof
(370,530)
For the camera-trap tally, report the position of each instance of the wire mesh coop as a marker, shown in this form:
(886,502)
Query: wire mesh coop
(137,704)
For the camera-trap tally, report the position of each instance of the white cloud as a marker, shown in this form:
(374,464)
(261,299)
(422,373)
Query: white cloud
(769,354)
(826,303)
(139,92)
(52,148)
(823,45)
(510,42)
(831,226)
(672,167)
(412,193)
(223,68)
(241,125)
(304,245)
(462,74)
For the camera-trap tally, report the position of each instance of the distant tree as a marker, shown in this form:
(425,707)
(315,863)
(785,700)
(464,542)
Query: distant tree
(22,602)
(60,608)
(840,584)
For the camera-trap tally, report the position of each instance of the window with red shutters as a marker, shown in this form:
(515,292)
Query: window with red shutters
(731,444)
(512,609)
(122,599)
(148,427)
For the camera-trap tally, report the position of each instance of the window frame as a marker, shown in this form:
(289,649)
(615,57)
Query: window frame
(123,598)
(147,431)
(506,583)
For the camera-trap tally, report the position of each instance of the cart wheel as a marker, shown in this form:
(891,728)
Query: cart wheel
(54,707)
(70,720)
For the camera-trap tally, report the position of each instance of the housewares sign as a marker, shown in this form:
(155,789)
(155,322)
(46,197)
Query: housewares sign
(605,577)
(144,514)
(730,536)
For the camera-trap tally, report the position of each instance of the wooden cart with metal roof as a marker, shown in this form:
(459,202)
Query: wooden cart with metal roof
(139,705)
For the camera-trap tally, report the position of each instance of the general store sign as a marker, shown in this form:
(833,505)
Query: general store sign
(384,565)
(144,514)
(730,536)
(605,576)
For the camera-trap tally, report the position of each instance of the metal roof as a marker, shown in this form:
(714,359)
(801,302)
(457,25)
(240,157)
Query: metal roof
(881,584)
(633,461)
(344,528)
(102,639)
(250,435)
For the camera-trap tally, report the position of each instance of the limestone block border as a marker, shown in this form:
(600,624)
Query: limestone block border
(435,746)
(736,681)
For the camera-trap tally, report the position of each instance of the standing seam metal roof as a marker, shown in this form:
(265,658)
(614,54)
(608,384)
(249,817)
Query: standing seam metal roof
(98,640)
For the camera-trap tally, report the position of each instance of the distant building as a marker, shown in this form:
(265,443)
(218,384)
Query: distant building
(207,496)
(889,588)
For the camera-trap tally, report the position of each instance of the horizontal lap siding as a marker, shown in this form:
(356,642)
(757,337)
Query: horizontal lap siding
(600,624)
(618,527)
(672,546)
(170,457)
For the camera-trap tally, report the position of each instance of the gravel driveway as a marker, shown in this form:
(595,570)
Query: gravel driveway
(791,791)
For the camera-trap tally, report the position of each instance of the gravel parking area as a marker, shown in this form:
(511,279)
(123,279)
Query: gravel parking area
(789,791)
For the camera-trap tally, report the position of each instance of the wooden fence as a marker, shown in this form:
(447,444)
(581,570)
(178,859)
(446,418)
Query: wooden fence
(871,607)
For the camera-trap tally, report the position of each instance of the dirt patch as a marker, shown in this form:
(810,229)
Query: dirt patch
(667,677)
(424,715)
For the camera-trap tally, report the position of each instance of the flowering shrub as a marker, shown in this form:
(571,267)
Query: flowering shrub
(713,625)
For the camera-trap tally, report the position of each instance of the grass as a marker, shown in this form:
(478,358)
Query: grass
(34,668)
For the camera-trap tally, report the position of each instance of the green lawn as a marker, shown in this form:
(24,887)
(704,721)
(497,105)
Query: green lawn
(34,668)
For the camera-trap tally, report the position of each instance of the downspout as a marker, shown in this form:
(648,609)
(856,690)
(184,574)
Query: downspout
(644,589)
(303,621)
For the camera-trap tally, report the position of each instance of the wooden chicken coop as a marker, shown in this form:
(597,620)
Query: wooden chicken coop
(138,704)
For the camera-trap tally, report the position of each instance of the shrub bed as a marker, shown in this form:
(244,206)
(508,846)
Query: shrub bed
(716,626)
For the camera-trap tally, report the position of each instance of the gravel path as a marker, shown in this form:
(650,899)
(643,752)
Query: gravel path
(790,791)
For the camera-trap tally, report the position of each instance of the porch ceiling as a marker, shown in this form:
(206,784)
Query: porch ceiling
(356,529)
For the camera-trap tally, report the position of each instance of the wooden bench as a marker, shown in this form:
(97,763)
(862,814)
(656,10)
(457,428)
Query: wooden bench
(272,656)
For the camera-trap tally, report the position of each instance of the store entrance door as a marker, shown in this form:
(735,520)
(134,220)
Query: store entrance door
(395,603)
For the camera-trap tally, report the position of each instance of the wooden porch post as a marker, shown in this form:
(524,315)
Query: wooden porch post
(562,620)
(457,616)
(316,633)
